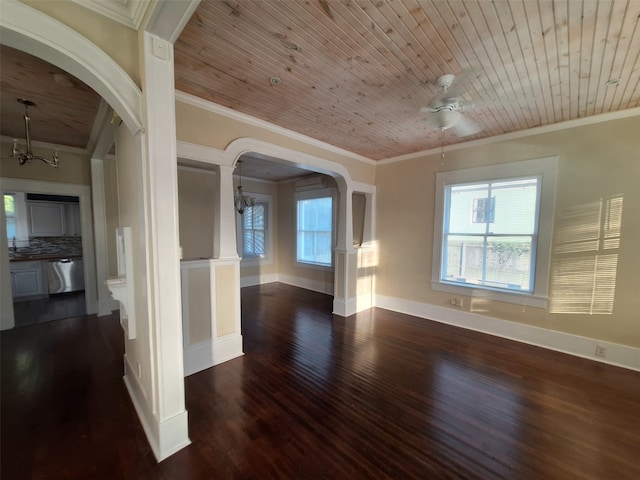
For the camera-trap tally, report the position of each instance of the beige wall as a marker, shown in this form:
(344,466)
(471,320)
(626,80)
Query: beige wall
(199,304)
(131,214)
(116,40)
(596,162)
(196,194)
(319,278)
(202,127)
(73,168)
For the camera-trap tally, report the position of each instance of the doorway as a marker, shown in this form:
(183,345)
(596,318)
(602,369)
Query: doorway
(71,301)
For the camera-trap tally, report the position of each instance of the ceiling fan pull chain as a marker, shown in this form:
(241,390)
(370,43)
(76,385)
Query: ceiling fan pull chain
(442,147)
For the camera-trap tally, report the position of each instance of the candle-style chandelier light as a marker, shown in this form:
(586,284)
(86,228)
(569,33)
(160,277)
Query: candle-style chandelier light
(27,156)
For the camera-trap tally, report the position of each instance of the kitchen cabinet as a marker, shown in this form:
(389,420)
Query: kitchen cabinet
(72,219)
(46,219)
(26,280)
(53,219)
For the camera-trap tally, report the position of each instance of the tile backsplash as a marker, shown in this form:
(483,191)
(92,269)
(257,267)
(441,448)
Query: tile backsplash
(64,246)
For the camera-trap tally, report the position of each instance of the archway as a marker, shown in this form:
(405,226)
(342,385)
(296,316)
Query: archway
(347,301)
(22,27)
(153,359)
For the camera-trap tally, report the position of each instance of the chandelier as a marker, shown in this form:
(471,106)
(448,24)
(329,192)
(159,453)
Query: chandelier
(28,156)
(241,201)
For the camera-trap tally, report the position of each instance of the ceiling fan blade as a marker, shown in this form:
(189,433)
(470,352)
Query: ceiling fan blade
(465,127)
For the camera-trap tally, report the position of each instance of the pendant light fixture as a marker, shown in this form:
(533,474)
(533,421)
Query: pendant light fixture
(241,201)
(27,156)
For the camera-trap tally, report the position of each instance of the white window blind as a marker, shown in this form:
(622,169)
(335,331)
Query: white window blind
(254,230)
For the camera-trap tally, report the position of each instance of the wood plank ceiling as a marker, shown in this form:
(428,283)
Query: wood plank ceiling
(356,73)
(65,106)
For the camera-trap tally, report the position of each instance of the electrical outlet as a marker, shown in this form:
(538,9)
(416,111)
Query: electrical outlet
(459,302)
(601,350)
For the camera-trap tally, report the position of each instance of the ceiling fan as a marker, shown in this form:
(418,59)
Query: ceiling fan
(445,109)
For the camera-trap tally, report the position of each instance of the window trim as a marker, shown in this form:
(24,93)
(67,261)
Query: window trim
(13,216)
(545,167)
(21,218)
(267,259)
(308,195)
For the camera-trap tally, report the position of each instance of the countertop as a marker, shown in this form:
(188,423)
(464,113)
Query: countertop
(48,248)
(33,258)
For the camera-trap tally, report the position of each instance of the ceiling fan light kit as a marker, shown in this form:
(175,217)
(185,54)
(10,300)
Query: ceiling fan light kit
(447,118)
(27,156)
(446,108)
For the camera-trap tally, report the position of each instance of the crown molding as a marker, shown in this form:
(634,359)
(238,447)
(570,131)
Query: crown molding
(256,122)
(129,13)
(556,127)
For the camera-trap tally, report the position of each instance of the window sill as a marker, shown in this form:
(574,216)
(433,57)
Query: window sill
(526,299)
(315,266)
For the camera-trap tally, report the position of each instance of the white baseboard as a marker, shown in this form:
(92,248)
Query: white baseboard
(352,305)
(7,321)
(250,281)
(206,354)
(616,354)
(340,307)
(315,286)
(166,437)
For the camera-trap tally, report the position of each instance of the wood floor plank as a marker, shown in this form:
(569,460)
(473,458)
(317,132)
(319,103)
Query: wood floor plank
(376,395)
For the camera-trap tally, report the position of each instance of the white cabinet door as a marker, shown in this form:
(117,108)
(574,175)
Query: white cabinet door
(46,219)
(72,219)
(26,279)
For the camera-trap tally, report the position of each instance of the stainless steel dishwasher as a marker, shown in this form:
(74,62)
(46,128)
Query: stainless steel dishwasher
(65,275)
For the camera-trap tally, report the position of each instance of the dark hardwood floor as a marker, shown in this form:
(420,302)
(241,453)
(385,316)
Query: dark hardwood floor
(377,395)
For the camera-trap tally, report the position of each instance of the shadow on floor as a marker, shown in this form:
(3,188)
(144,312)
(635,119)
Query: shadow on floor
(56,307)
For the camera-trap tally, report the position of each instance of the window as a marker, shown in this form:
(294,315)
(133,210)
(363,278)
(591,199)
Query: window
(314,228)
(493,230)
(254,231)
(10,215)
(483,209)
(490,233)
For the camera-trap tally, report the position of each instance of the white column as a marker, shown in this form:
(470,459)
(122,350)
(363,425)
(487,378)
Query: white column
(224,220)
(163,249)
(345,257)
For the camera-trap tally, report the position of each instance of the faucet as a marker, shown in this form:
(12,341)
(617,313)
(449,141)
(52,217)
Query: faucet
(14,248)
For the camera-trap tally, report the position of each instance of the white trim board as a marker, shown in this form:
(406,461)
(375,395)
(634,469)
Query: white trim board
(578,122)
(618,355)
(256,122)
(313,285)
(165,438)
(210,353)
(306,284)
(252,280)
